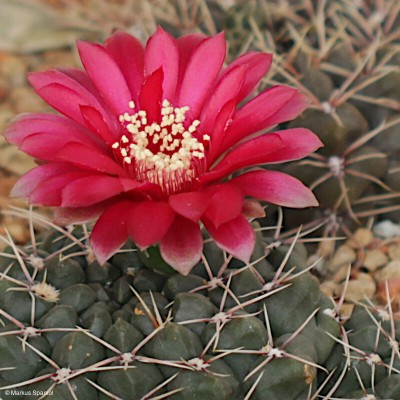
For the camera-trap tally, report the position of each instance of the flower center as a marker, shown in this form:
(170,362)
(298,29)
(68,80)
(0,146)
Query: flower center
(165,153)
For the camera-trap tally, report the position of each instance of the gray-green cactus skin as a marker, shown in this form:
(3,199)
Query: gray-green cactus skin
(344,57)
(226,331)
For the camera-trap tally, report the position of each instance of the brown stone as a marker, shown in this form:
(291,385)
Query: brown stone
(361,288)
(344,255)
(390,271)
(362,238)
(374,259)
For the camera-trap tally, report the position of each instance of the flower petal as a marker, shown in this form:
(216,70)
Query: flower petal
(28,182)
(255,151)
(128,53)
(186,45)
(275,105)
(149,221)
(221,125)
(182,246)
(189,204)
(151,96)
(51,137)
(72,215)
(226,90)
(106,76)
(277,188)
(96,123)
(89,158)
(285,145)
(94,189)
(110,231)
(49,192)
(61,128)
(298,143)
(201,72)
(66,95)
(162,52)
(236,237)
(252,209)
(257,65)
(225,204)
(81,77)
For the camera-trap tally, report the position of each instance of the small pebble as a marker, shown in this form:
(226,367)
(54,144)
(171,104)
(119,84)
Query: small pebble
(361,288)
(13,69)
(318,262)
(6,114)
(344,255)
(24,99)
(374,259)
(326,248)
(346,310)
(393,286)
(17,228)
(341,273)
(362,238)
(390,271)
(329,288)
(387,229)
(394,252)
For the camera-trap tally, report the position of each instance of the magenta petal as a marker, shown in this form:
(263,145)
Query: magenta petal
(66,95)
(41,135)
(277,188)
(275,105)
(81,77)
(49,192)
(235,237)
(162,52)
(151,95)
(89,158)
(298,143)
(106,76)
(63,99)
(96,123)
(201,72)
(110,231)
(225,204)
(128,53)
(226,90)
(28,182)
(285,145)
(149,221)
(44,146)
(186,45)
(257,65)
(222,122)
(189,204)
(182,246)
(253,152)
(93,189)
(252,209)
(71,215)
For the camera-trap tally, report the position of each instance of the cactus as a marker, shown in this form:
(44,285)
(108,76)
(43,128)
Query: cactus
(258,328)
(344,56)
(261,330)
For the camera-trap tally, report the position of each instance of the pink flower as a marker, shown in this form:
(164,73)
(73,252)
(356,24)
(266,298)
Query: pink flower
(149,139)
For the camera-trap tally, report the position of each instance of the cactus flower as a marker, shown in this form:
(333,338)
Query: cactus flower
(149,138)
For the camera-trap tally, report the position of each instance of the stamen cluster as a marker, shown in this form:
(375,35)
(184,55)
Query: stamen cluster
(164,153)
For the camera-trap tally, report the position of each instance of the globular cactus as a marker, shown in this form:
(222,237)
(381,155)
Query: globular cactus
(228,330)
(256,328)
(344,56)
